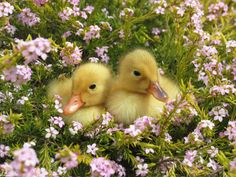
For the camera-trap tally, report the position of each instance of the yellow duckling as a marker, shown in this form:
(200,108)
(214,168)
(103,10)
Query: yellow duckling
(83,95)
(139,88)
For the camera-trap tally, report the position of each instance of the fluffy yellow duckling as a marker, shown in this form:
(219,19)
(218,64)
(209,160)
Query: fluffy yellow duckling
(83,95)
(139,88)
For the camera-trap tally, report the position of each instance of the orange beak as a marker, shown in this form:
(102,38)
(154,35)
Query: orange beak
(73,105)
(156,90)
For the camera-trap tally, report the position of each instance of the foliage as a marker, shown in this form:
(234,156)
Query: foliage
(194,42)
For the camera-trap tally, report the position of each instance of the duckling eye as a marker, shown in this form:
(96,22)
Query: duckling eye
(93,86)
(136,73)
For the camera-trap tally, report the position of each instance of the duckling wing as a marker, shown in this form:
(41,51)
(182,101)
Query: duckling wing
(127,106)
(86,115)
(63,88)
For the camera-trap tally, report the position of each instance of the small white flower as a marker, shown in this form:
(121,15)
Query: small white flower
(51,132)
(149,150)
(92,149)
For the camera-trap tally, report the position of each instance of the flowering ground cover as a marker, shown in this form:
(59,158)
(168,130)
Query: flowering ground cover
(194,42)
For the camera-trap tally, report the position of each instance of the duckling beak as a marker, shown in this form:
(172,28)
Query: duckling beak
(156,90)
(73,105)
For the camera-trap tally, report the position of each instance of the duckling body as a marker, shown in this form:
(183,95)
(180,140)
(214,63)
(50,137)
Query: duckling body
(139,89)
(83,95)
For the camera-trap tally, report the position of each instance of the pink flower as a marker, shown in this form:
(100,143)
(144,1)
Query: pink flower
(213,164)
(219,113)
(160,10)
(92,149)
(93,33)
(233,164)
(68,157)
(142,169)
(230,44)
(213,151)
(19,74)
(102,52)
(76,126)
(93,59)
(132,130)
(189,157)
(28,18)
(105,168)
(57,121)
(33,49)
(88,9)
(24,164)
(71,54)
(4,150)
(127,12)
(5,9)
(66,14)
(40,2)
(231,131)
(73,2)
(205,124)
(156,31)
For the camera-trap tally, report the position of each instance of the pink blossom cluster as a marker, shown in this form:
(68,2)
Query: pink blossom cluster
(216,10)
(212,164)
(24,164)
(54,120)
(58,104)
(102,52)
(106,119)
(213,151)
(28,18)
(4,150)
(68,157)
(211,64)
(223,89)
(127,12)
(66,14)
(161,5)
(219,112)
(92,33)
(69,12)
(196,135)
(106,168)
(234,68)
(6,9)
(9,29)
(183,111)
(76,127)
(33,49)
(233,164)
(18,74)
(71,54)
(231,44)
(189,157)
(73,2)
(40,2)
(142,124)
(230,131)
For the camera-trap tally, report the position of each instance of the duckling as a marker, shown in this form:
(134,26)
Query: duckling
(139,89)
(84,94)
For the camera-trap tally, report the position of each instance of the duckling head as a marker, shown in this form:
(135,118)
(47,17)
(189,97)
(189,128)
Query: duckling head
(138,73)
(90,85)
